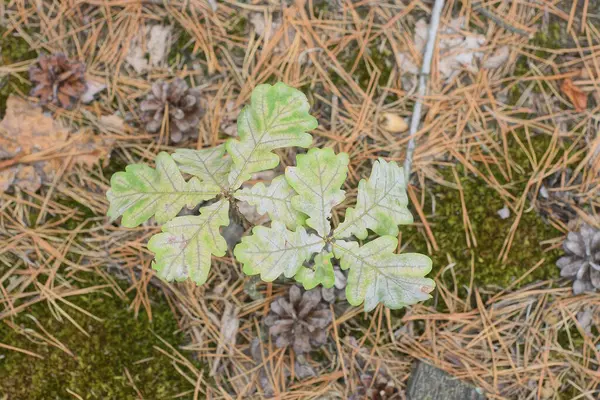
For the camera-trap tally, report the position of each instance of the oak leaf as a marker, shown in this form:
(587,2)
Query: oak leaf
(577,97)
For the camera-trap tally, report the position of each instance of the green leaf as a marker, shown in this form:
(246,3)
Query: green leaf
(381,204)
(273,251)
(183,249)
(141,192)
(317,179)
(277,117)
(275,200)
(377,274)
(209,165)
(320,273)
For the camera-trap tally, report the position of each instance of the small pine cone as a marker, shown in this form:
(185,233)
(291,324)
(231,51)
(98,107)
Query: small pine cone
(300,321)
(184,105)
(382,388)
(582,260)
(58,80)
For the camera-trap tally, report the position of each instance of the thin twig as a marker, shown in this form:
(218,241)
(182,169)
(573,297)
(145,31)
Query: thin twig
(425,71)
(491,15)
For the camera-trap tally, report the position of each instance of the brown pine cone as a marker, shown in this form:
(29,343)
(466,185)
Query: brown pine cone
(58,80)
(380,387)
(300,321)
(184,104)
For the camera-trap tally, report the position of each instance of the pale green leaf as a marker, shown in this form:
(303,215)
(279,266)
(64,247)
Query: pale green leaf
(317,179)
(183,249)
(273,251)
(377,274)
(381,204)
(140,192)
(275,200)
(276,117)
(320,273)
(209,165)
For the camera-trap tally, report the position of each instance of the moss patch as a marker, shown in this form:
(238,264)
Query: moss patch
(98,369)
(382,60)
(13,49)
(482,203)
(552,38)
(490,231)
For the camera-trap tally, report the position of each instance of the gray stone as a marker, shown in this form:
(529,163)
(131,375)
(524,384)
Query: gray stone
(430,383)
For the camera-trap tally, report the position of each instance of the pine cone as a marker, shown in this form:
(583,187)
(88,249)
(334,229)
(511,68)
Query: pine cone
(382,388)
(185,109)
(301,321)
(582,262)
(58,80)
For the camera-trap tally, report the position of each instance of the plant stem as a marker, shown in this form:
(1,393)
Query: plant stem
(478,7)
(423,79)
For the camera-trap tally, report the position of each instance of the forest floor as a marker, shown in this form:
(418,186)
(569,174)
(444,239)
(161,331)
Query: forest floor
(506,164)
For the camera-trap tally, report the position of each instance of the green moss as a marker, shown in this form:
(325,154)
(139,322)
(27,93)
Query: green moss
(181,49)
(115,165)
(515,93)
(97,370)
(482,203)
(13,49)
(84,212)
(551,38)
(238,26)
(382,60)
(490,231)
(322,7)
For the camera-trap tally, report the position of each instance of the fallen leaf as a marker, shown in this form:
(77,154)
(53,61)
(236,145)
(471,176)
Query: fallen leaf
(28,179)
(89,148)
(577,97)
(229,324)
(94,87)
(7,178)
(25,131)
(260,27)
(159,44)
(112,122)
(458,50)
(149,49)
(266,28)
(497,58)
